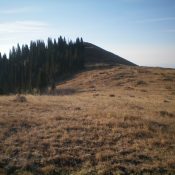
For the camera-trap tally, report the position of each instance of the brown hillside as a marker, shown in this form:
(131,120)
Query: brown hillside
(117,120)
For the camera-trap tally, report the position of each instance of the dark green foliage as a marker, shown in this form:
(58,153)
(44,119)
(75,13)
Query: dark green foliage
(39,65)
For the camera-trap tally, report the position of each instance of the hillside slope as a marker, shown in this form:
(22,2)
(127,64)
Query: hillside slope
(117,120)
(97,55)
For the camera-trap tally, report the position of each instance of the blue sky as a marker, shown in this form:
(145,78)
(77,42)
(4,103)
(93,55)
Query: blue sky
(142,31)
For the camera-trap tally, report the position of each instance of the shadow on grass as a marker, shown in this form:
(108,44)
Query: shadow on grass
(66,91)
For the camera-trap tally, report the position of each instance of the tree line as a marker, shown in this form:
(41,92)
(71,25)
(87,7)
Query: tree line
(37,66)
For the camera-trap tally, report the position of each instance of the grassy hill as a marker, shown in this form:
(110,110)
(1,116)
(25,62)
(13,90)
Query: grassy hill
(108,121)
(97,55)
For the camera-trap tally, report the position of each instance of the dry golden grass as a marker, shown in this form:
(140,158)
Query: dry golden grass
(112,121)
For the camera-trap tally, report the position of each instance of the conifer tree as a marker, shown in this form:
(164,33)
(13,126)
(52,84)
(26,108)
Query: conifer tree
(39,65)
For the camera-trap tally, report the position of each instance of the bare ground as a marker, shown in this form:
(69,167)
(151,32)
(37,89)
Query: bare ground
(110,121)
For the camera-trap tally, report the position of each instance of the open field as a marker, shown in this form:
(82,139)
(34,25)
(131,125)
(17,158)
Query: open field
(112,121)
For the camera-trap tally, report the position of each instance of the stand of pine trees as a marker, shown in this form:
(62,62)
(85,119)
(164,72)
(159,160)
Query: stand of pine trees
(39,65)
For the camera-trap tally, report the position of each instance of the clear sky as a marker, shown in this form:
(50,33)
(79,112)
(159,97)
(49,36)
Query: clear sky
(142,31)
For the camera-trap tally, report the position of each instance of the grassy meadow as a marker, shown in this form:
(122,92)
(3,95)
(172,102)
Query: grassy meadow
(108,121)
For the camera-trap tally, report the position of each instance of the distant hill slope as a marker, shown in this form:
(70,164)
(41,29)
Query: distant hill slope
(97,55)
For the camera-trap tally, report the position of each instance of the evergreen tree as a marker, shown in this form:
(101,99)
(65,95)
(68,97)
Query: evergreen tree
(39,65)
